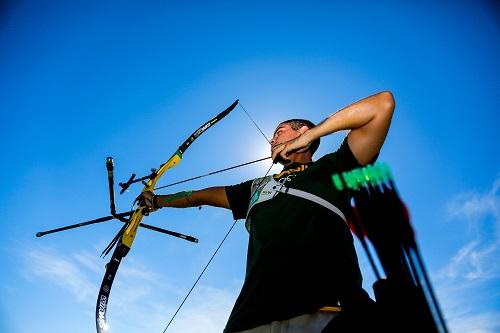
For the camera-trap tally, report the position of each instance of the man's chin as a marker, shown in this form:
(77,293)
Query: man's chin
(282,161)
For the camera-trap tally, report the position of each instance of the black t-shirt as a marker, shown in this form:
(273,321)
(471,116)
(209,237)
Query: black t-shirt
(300,254)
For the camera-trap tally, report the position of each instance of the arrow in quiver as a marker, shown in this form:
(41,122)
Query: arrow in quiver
(405,300)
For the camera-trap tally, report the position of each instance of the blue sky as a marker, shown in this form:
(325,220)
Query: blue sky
(83,81)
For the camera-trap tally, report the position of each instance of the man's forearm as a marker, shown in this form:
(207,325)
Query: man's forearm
(355,115)
(368,121)
(212,196)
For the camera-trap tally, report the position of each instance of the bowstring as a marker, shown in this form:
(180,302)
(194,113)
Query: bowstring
(227,233)
(253,121)
(229,168)
(213,255)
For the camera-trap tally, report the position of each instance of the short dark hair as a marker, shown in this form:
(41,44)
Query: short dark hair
(296,124)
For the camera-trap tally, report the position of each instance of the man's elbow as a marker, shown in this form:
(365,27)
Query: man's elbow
(386,101)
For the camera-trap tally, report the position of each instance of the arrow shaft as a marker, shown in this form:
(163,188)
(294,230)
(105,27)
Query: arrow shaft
(212,173)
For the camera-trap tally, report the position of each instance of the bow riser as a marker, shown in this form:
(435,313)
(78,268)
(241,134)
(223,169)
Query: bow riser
(136,218)
(131,231)
(173,161)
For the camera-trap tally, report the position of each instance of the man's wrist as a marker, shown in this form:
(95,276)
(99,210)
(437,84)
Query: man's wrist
(160,202)
(311,135)
(189,204)
(155,202)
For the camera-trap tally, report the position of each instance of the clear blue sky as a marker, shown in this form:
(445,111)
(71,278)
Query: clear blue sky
(82,81)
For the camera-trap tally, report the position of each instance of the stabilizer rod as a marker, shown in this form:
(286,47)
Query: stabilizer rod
(108,218)
(82,224)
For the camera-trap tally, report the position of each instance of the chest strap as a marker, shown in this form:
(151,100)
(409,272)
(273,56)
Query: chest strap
(311,197)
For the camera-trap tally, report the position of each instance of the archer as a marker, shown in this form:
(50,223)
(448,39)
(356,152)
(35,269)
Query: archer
(302,268)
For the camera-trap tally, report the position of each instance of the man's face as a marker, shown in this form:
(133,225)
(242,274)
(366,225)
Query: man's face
(282,134)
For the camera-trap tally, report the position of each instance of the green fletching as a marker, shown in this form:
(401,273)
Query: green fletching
(347,179)
(358,177)
(337,182)
(350,179)
(377,174)
(365,175)
(372,175)
(385,171)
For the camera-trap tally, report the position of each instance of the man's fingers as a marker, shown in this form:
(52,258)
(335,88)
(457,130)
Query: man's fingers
(145,199)
(280,156)
(144,202)
(301,150)
(274,153)
(281,151)
(277,153)
(294,147)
